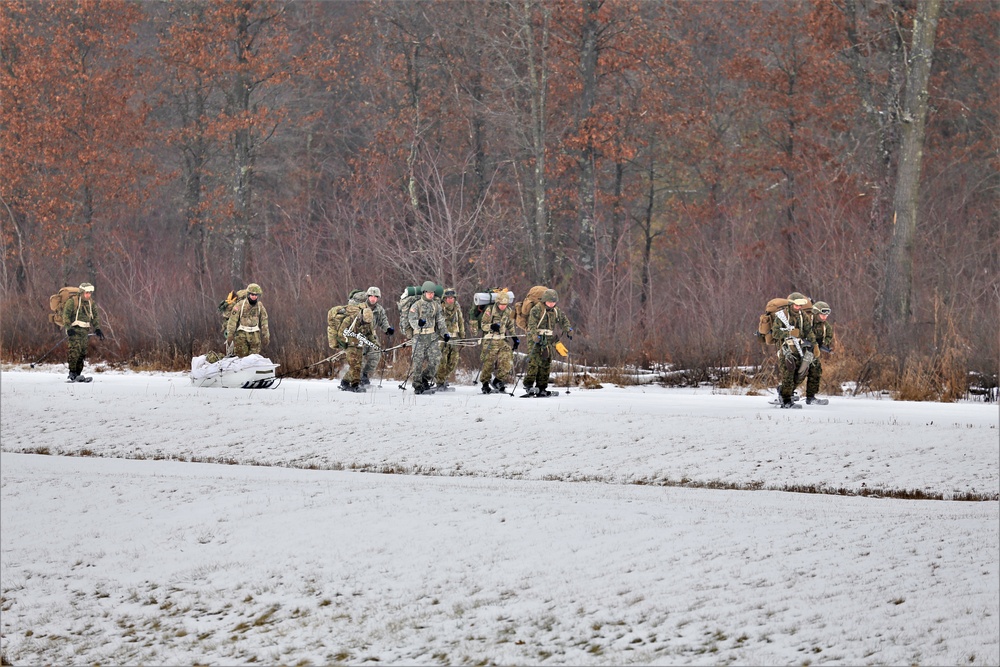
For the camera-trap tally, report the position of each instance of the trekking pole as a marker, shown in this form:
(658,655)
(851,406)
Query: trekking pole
(409,371)
(517,380)
(569,368)
(50,351)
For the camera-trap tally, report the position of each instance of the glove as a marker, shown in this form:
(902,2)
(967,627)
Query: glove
(516,343)
(495,327)
(447,337)
(421,322)
(99,334)
(390,331)
(824,348)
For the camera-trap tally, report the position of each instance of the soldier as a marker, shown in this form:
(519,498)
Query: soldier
(792,333)
(428,324)
(358,332)
(822,332)
(452,312)
(372,355)
(543,319)
(497,323)
(80,315)
(247,326)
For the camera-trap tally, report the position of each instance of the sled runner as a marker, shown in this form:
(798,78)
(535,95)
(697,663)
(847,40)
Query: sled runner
(250,372)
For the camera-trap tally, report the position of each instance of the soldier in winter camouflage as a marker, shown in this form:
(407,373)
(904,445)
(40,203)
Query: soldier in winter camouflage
(822,332)
(358,331)
(543,320)
(792,333)
(80,315)
(428,324)
(247,327)
(499,343)
(372,355)
(452,312)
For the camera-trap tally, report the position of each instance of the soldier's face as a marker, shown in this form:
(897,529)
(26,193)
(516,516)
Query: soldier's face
(550,304)
(822,316)
(252,298)
(428,295)
(450,300)
(502,306)
(86,295)
(372,299)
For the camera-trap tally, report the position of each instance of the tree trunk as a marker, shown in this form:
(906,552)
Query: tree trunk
(895,303)
(243,156)
(588,98)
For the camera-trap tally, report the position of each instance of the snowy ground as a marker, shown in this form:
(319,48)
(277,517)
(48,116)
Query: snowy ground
(534,531)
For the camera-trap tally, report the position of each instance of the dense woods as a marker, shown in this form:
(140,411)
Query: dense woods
(667,166)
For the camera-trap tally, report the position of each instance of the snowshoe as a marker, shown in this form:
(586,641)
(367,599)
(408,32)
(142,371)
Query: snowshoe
(82,378)
(535,392)
(812,400)
(486,388)
(791,404)
(777,400)
(499,386)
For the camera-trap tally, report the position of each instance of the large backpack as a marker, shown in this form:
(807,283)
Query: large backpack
(767,320)
(523,308)
(56,303)
(229,304)
(335,320)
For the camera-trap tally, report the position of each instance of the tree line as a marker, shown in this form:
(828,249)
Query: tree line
(667,166)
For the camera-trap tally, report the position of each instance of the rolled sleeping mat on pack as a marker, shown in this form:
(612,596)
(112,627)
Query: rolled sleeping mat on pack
(415,290)
(486,298)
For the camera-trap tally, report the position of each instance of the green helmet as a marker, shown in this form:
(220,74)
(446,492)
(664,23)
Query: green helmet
(254,288)
(428,286)
(821,308)
(374,291)
(550,295)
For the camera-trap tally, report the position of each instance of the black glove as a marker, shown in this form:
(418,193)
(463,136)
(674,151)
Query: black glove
(495,327)
(824,348)
(421,322)
(447,337)
(99,334)
(390,331)
(516,343)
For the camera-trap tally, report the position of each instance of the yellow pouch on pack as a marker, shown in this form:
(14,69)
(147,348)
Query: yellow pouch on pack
(561,349)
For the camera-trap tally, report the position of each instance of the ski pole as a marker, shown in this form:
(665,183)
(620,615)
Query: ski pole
(517,380)
(569,368)
(50,351)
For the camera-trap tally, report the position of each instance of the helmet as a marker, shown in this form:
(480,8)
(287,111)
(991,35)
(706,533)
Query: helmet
(821,308)
(798,298)
(254,288)
(428,286)
(86,287)
(374,291)
(449,292)
(549,295)
(502,297)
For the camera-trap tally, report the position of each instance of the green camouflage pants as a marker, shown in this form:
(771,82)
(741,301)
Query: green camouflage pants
(77,346)
(498,360)
(812,380)
(426,356)
(448,363)
(370,365)
(246,343)
(539,360)
(355,359)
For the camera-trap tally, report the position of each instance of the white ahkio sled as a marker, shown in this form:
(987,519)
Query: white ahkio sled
(250,372)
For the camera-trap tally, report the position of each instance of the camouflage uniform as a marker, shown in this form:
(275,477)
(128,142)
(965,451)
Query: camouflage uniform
(80,316)
(542,322)
(372,355)
(822,332)
(456,327)
(426,351)
(795,342)
(498,354)
(247,327)
(360,324)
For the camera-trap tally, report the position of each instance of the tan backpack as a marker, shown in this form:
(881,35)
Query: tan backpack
(56,303)
(523,308)
(767,320)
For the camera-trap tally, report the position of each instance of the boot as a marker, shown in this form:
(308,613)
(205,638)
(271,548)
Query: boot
(72,376)
(532,391)
(344,384)
(812,400)
(499,386)
(542,391)
(418,388)
(789,403)
(356,387)
(364,379)
(486,388)
(440,386)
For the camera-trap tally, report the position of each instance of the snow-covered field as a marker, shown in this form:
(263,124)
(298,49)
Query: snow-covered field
(542,531)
